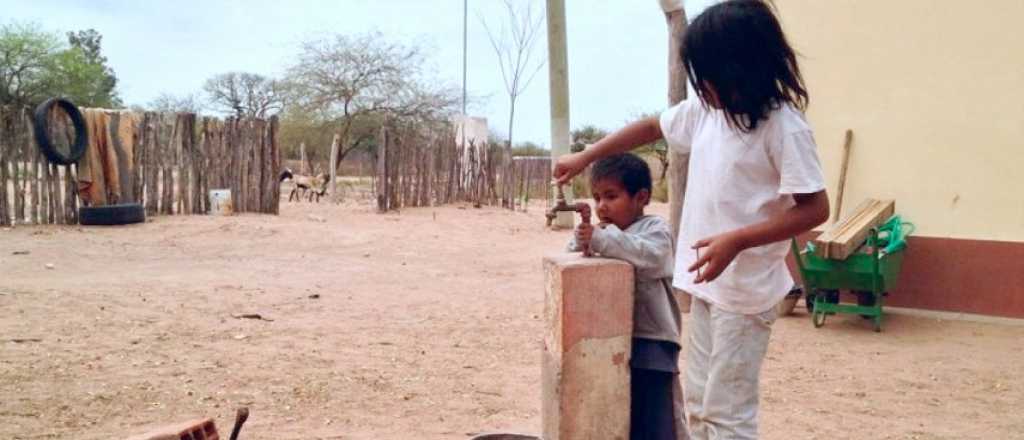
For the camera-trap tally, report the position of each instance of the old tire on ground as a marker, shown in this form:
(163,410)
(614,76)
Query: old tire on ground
(120,214)
(40,125)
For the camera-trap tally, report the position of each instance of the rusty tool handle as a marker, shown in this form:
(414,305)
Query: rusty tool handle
(240,418)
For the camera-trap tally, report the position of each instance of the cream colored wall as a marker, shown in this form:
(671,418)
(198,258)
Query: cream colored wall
(934,93)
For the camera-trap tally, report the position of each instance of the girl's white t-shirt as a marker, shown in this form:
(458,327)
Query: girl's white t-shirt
(734,180)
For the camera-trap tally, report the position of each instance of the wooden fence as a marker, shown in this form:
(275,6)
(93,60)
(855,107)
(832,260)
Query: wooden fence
(166,161)
(531,178)
(430,167)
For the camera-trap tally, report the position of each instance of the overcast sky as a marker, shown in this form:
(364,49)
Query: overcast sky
(617,48)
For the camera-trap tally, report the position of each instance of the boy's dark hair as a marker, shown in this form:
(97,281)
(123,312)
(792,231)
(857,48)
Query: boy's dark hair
(737,48)
(629,169)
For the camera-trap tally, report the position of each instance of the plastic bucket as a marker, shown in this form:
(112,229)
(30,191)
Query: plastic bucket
(220,202)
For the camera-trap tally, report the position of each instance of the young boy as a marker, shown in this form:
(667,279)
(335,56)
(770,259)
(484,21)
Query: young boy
(621,185)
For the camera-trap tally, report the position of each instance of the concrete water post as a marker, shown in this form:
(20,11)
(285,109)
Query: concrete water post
(585,377)
(558,77)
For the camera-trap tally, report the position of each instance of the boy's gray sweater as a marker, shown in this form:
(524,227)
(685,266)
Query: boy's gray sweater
(647,245)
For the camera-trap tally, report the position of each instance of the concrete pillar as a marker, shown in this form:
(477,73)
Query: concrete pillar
(588,329)
(558,82)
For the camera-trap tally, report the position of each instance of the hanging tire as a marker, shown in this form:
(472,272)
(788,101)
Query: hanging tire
(109,215)
(41,126)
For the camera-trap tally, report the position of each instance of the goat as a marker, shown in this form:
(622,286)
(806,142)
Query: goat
(318,184)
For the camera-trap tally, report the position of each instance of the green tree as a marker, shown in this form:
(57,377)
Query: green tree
(529,149)
(657,149)
(585,135)
(100,86)
(26,58)
(73,76)
(36,65)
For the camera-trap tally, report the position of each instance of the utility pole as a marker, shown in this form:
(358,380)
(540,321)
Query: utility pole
(558,77)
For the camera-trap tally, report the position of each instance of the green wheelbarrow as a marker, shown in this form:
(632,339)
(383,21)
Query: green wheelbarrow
(871,272)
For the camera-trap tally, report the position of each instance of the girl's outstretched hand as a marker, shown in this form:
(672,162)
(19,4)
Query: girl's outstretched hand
(569,166)
(714,255)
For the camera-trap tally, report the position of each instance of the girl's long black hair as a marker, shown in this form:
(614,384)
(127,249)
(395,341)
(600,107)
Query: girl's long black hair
(738,59)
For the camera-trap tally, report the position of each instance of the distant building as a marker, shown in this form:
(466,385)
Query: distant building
(475,128)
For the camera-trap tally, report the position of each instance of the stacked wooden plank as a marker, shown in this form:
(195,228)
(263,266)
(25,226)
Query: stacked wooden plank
(844,237)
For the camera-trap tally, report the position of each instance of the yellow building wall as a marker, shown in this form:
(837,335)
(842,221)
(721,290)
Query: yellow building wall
(934,93)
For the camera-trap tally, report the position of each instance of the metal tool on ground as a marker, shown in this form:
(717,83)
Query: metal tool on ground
(562,206)
(240,417)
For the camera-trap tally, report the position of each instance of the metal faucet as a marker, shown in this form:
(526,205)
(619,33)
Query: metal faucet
(561,206)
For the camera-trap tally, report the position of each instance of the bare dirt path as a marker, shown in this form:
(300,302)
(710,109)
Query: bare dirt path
(423,324)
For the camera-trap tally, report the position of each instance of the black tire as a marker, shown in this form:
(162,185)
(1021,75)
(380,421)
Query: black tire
(121,214)
(40,123)
(831,297)
(865,298)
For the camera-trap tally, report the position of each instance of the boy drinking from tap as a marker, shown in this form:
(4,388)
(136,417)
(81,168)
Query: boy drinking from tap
(621,186)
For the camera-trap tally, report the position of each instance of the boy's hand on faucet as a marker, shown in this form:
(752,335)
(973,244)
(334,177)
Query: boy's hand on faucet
(584,232)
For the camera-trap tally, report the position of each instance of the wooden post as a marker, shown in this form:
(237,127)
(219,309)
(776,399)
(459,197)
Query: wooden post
(138,145)
(275,166)
(675,16)
(204,158)
(382,170)
(168,148)
(45,187)
(148,161)
(17,217)
(34,187)
(71,194)
(5,149)
(333,184)
(52,192)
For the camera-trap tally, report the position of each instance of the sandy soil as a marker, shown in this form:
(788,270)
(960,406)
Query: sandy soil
(422,324)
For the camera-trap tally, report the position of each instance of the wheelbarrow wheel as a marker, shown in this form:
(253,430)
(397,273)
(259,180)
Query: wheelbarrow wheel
(865,298)
(830,296)
(818,318)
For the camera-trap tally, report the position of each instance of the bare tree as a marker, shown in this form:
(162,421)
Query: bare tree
(167,102)
(244,94)
(348,83)
(514,45)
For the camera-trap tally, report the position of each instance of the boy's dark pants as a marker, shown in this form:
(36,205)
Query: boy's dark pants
(651,417)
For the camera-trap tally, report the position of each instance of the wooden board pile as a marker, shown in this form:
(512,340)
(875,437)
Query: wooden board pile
(843,238)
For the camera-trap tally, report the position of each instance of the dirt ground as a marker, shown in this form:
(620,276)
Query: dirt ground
(419,324)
